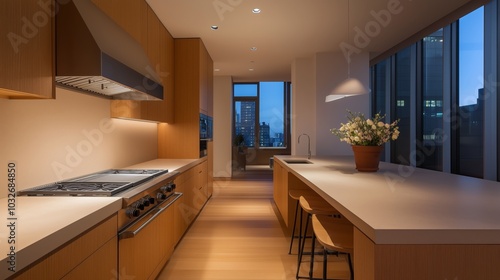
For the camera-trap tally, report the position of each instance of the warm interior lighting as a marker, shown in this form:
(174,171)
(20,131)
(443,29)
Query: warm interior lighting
(351,86)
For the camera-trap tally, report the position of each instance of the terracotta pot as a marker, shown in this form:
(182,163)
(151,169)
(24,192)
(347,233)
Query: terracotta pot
(367,157)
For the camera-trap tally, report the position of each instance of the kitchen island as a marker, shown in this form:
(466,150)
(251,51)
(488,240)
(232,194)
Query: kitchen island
(410,223)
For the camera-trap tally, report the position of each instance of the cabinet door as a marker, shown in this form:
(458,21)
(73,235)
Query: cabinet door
(131,15)
(210,168)
(145,254)
(27,49)
(163,111)
(183,214)
(102,264)
(96,243)
(203,79)
(280,191)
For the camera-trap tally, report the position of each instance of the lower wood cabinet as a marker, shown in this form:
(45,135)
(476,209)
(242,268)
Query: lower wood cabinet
(144,255)
(280,190)
(193,184)
(91,255)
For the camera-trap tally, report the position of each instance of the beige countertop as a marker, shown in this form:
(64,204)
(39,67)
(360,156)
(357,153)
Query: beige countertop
(406,205)
(45,223)
(179,165)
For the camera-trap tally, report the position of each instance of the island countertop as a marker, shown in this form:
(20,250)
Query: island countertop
(405,205)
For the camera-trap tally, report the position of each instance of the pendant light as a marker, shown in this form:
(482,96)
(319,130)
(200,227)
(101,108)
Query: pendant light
(351,86)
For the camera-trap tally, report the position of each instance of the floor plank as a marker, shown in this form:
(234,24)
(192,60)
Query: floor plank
(238,236)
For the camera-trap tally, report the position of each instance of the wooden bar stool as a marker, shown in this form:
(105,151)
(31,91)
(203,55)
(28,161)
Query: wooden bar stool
(335,236)
(312,205)
(295,195)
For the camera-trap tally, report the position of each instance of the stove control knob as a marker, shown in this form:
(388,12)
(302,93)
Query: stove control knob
(173,186)
(132,212)
(161,196)
(140,205)
(145,201)
(166,188)
(151,200)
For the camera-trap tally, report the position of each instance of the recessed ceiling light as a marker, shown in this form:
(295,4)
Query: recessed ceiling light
(253,49)
(250,69)
(214,27)
(216,70)
(256,10)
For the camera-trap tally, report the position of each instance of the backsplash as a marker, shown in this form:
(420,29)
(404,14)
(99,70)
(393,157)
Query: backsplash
(70,136)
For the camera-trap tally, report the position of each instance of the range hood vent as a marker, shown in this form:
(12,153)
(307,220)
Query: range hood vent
(95,55)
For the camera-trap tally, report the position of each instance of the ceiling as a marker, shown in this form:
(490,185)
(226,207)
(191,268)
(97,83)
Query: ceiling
(290,29)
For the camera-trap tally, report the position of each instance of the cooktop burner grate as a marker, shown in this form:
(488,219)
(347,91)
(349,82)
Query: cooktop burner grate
(82,188)
(104,183)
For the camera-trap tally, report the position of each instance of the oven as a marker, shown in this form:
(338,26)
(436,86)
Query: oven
(146,230)
(145,221)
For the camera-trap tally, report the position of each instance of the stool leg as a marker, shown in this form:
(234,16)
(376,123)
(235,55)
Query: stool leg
(311,266)
(350,266)
(325,260)
(302,243)
(300,233)
(294,225)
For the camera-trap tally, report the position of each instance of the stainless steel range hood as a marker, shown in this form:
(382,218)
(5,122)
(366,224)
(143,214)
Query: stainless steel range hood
(95,55)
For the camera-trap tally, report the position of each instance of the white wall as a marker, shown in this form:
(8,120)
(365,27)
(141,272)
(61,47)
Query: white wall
(312,80)
(303,119)
(223,96)
(70,136)
(327,70)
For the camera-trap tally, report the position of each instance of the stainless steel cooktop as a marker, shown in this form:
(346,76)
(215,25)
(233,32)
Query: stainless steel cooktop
(104,183)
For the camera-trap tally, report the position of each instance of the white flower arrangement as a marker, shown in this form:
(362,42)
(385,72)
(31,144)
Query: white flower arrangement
(366,132)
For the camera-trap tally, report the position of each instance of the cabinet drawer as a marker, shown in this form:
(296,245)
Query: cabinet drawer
(69,256)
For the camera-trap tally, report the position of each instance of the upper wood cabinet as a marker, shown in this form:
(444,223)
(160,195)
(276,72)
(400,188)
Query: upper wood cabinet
(192,87)
(161,52)
(140,21)
(27,64)
(131,15)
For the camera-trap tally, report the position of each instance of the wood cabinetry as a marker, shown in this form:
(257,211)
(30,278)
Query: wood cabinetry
(131,15)
(92,255)
(210,168)
(145,254)
(193,81)
(280,190)
(27,49)
(283,181)
(193,184)
(138,19)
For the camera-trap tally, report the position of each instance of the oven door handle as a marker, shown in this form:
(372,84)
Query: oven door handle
(126,233)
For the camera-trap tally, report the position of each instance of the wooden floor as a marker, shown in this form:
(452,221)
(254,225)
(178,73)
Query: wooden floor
(238,236)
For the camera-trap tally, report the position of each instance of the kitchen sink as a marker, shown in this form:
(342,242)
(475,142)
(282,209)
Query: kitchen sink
(297,161)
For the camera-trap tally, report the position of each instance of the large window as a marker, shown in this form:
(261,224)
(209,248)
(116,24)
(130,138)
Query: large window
(430,143)
(471,93)
(260,113)
(401,148)
(436,88)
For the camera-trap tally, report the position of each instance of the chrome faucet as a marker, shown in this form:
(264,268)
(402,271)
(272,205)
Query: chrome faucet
(308,145)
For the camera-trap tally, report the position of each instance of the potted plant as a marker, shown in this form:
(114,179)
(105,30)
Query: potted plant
(366,137)
(239,140)
(240,151)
